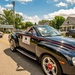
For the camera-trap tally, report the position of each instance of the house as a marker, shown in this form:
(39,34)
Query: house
(68,24)
(6,28)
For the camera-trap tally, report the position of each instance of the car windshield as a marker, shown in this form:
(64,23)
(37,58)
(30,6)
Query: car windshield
(48,31)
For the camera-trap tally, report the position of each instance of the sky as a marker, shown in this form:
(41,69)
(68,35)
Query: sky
(35,10)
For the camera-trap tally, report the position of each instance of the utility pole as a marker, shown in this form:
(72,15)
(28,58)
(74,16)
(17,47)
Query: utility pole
(13,3)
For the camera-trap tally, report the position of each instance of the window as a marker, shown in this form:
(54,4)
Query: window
(32,31)
(68,22)
(48,31)
(73,27)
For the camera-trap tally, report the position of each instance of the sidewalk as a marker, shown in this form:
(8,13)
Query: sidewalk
(4,39)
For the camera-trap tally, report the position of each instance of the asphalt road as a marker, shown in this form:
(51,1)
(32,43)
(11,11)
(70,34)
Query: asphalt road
(15,63)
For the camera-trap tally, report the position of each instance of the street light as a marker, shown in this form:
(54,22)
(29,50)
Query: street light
(13,3)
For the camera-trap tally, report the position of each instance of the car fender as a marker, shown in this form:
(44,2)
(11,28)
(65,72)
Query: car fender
(56,52)
(43,49)
(13,36)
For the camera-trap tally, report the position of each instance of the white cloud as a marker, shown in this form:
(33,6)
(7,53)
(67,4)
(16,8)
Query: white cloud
(49,1)
(71,1)
(24,1)
(30,18)
(20,13)
(61,4)
(21,1)
(6,0)
(9,5)
(25,17)
(1,10)
(55,0)
(62,12)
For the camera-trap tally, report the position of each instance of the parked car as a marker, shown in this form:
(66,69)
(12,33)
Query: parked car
(17,30)
(8,31)
(70,33)
(1,34)
(56,53)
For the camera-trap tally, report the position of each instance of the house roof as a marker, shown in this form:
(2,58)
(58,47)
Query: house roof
(6,26)
(69,21)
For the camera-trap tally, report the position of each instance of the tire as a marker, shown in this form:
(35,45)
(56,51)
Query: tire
(12,45)
(50,66)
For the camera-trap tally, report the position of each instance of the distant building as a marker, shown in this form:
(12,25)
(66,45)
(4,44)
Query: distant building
(6,28)
(69,24)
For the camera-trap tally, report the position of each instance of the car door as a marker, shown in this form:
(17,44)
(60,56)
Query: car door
(29,40)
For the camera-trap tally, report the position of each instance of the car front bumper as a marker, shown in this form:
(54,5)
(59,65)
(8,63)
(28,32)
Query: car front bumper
(68,69)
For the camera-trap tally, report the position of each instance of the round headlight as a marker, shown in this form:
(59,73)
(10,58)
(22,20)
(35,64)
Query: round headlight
(73,60)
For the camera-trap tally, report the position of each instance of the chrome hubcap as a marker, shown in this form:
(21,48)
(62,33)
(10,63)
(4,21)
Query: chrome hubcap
(49,66)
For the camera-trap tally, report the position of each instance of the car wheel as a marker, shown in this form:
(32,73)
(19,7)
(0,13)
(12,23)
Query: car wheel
(50,65)
(12,45)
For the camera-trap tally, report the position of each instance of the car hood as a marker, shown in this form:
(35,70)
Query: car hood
(61,40)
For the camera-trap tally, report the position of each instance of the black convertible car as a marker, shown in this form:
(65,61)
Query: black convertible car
(44,44)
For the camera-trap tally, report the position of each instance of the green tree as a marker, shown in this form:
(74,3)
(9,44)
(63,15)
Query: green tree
(28,24)
(58,21)
(18,21)
(52,23)
(7,17)
(43,22)
(22,25)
